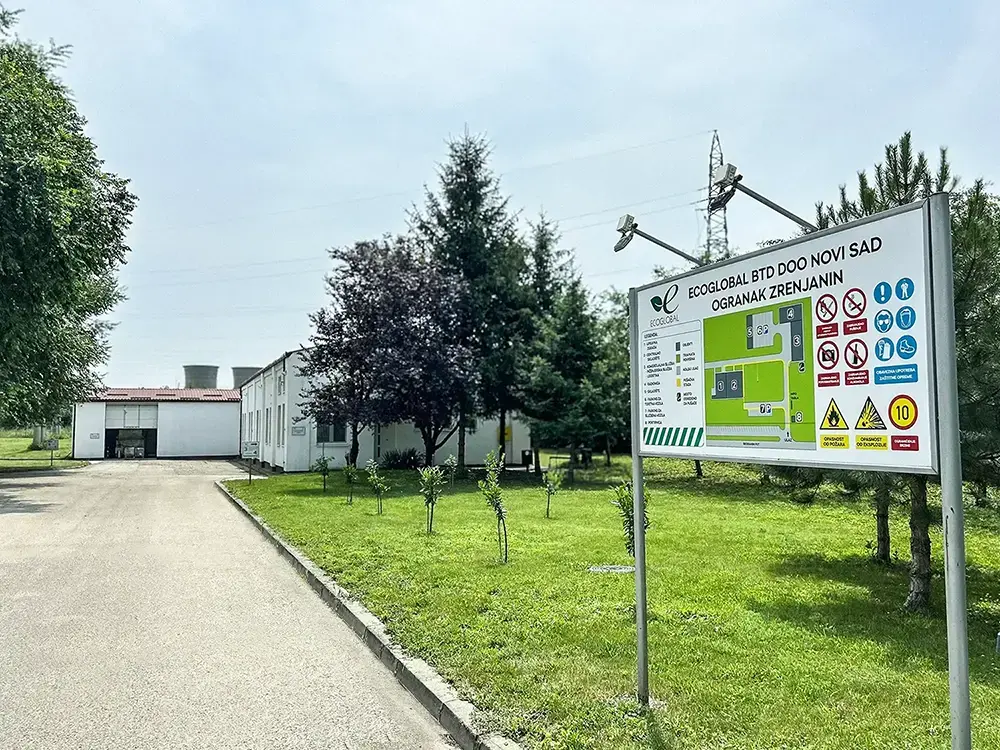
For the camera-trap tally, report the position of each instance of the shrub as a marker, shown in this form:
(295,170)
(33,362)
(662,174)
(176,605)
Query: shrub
(623,501)
(377,481)
(451,469)
(490,487)
(322,465)
(552,481)
(408,459)
(351,476)
(431,484)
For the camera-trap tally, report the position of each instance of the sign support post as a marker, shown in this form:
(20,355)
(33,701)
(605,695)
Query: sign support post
(741,361)
(638,520)
(951,471)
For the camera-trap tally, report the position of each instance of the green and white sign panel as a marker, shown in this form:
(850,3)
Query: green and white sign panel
(815,352)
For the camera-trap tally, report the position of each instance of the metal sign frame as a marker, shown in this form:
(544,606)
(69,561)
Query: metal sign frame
(947,452)
(801,458)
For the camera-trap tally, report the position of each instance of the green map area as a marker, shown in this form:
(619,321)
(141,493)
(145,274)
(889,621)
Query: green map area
(759,377)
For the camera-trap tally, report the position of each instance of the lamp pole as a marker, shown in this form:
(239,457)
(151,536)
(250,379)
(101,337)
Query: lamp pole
(725,176)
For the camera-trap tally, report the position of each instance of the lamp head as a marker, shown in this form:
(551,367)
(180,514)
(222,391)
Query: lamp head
(724,175)
(626,224)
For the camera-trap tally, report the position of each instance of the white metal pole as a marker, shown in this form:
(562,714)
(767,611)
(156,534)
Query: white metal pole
(949,449)
(642,658)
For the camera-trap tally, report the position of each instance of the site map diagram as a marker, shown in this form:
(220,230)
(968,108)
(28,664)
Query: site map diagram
(759,377)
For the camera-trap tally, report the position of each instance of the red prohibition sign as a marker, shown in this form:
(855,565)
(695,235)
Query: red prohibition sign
(828,355)
(826,308)
(856,354)
(855,303)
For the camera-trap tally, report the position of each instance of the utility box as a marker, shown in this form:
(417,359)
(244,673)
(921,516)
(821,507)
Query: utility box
(527,458)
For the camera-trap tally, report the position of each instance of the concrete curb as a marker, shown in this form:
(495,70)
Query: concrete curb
(416,675)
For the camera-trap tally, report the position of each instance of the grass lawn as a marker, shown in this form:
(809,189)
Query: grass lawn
(16,454)
(769,627)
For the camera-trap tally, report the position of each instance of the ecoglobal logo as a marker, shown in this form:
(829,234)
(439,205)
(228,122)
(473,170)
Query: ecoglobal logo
(667,304)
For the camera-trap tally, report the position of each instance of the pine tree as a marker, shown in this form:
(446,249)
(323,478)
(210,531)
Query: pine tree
(902,178)
(560,396)
(468,228)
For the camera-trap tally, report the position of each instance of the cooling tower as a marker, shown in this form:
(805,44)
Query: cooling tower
(201,376)
(242,375)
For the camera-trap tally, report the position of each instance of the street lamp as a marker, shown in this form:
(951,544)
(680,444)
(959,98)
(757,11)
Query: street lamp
(628,228)
(728,176)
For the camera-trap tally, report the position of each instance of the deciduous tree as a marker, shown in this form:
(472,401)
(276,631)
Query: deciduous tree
(63,220)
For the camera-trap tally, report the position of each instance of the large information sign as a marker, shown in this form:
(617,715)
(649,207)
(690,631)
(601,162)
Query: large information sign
(815,352)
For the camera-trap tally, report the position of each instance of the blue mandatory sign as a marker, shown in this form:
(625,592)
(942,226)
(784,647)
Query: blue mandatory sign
(883,292)
(906,347)
(884,349)
(904,288)
(906,317)
(883,321)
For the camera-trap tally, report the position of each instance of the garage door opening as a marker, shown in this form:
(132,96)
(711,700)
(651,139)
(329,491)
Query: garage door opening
(130,430)
(129,443)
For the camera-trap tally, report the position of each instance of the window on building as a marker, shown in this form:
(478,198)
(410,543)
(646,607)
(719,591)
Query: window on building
(281,425)
(267,425)
(331,433)
(256,429)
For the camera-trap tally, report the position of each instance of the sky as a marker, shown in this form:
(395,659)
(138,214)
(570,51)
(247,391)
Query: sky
(259,134)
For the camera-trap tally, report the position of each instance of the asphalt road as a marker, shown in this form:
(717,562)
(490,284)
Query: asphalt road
(139,609)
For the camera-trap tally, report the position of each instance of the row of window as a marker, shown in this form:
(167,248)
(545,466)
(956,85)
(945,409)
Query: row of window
(325,433)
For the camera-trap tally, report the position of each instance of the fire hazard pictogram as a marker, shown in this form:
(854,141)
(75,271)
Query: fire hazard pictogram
(833,419)
(869,419)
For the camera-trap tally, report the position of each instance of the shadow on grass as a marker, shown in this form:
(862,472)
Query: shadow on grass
(879,617)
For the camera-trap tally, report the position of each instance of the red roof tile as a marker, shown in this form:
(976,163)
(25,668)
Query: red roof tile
(167,394)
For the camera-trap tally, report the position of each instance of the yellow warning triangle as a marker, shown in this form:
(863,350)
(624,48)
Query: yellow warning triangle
(869,419)
(833,419)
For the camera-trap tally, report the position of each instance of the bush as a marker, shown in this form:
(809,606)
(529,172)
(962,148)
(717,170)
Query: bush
(408,459)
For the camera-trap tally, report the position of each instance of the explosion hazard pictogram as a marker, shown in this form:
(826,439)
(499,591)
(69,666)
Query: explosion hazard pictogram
(833,419)
(869,419)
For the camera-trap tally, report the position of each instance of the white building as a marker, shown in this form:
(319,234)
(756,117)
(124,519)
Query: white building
(271,414)
(158,422)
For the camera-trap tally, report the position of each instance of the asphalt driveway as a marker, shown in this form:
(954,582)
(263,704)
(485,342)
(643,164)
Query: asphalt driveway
(139,609)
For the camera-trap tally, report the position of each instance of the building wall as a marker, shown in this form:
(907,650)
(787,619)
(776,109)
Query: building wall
(478,443)
(261,398)
(197,428)
(88,419)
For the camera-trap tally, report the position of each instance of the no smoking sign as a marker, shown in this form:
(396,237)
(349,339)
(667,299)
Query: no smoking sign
(855,303)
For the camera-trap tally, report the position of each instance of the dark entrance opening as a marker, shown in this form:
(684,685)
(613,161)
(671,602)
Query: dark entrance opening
(119,443)
(110,440)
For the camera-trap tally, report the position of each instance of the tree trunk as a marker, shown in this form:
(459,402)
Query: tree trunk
(461,442)
(505,542)
(607,450)
(324,482)
(428,448)
(430,528)
(697,470)
(355,445)
(548,502)
(499,540)
(919,599)
(883,498)
(503,436)
(538,458)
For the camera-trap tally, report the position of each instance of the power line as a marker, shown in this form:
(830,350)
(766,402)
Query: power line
(401,193)
(309,271)
(251,311)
